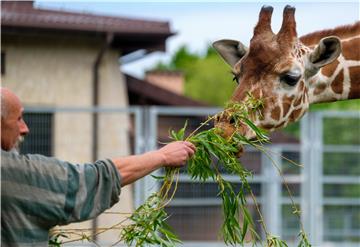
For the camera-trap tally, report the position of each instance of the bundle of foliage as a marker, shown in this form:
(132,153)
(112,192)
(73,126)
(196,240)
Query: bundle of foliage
(214,154)
(148,226)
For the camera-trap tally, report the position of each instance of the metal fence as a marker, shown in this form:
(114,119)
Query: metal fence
(326,189)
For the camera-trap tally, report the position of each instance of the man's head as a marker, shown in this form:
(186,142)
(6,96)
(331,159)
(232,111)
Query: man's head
(13,127)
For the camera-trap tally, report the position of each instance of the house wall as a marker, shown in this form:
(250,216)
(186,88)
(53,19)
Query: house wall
(57,72)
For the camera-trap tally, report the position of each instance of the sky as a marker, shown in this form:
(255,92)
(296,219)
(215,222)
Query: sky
(198,24)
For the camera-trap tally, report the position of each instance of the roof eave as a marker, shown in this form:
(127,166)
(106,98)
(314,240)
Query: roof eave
(127,42)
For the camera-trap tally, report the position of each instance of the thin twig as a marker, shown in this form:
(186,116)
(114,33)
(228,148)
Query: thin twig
(262,221)
(296,210)
(198,128)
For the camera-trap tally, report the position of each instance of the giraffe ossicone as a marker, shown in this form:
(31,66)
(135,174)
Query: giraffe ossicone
(290,73)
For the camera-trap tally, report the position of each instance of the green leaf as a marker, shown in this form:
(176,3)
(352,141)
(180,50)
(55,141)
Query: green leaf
(157,177)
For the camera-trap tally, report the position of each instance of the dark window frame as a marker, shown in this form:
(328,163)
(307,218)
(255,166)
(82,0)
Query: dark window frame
(40,139)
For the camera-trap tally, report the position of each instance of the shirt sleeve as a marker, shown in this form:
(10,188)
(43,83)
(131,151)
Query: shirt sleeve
(92,188)
(58,192)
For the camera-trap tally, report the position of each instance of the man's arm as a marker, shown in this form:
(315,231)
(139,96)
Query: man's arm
(134,167)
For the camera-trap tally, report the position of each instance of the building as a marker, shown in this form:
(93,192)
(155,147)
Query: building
(57,59)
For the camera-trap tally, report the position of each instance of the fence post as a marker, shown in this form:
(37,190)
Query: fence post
(140,124)
(271,191)
(151,185)
(311,156)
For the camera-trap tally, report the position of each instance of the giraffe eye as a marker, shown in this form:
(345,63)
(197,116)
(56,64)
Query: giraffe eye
(290,78)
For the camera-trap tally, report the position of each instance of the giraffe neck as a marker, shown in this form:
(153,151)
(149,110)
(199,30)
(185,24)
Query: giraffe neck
(339,80)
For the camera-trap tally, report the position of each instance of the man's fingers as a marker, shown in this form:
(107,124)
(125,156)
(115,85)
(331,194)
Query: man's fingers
(190,145)
(190,148)
(189,151)
(178,153)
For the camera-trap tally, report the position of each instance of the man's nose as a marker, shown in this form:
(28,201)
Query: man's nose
(23,128)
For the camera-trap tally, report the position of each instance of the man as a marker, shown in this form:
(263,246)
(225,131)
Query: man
(38,192)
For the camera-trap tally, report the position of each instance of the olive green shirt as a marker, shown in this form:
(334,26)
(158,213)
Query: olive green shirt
(38,193)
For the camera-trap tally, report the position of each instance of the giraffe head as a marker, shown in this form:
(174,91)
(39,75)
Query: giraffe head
(276,68)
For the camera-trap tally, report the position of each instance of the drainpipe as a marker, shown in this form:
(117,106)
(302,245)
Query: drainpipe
(95,103)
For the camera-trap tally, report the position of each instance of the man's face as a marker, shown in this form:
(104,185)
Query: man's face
(13,126)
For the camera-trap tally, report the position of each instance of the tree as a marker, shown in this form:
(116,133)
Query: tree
(207,77)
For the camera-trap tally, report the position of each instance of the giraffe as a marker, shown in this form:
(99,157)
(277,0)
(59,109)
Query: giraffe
(290,73)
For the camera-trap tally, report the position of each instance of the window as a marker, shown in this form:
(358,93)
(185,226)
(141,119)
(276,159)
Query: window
(40,138)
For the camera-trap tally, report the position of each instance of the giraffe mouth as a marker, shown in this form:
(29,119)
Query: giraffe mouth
(227,128)
(227,131)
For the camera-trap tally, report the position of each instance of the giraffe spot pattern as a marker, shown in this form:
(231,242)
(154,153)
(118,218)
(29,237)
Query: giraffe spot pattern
(329,69)
(286,107)
(337,84)
(257,93)
(295,115)
(319,89)
(351,49)
(355,82)
(275,113)
(298,101)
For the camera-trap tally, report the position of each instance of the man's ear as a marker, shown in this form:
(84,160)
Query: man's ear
(326,51)
(230,50)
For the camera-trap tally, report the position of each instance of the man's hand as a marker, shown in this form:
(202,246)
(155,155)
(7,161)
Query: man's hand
(177,153)
(134,167)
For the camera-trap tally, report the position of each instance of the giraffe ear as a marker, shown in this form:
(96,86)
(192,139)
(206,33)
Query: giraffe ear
(230,50)
(326,51)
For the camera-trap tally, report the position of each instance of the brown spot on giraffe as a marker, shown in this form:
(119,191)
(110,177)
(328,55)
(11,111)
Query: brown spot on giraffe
(287,102)
(351,49)
(330,68)
(286,107)
(319,89)
(256,93)
(354,73)
(295,114)
(275,113)
(338,83)
(300,99)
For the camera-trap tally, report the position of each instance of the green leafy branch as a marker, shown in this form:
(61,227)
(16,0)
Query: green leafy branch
(214,154)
